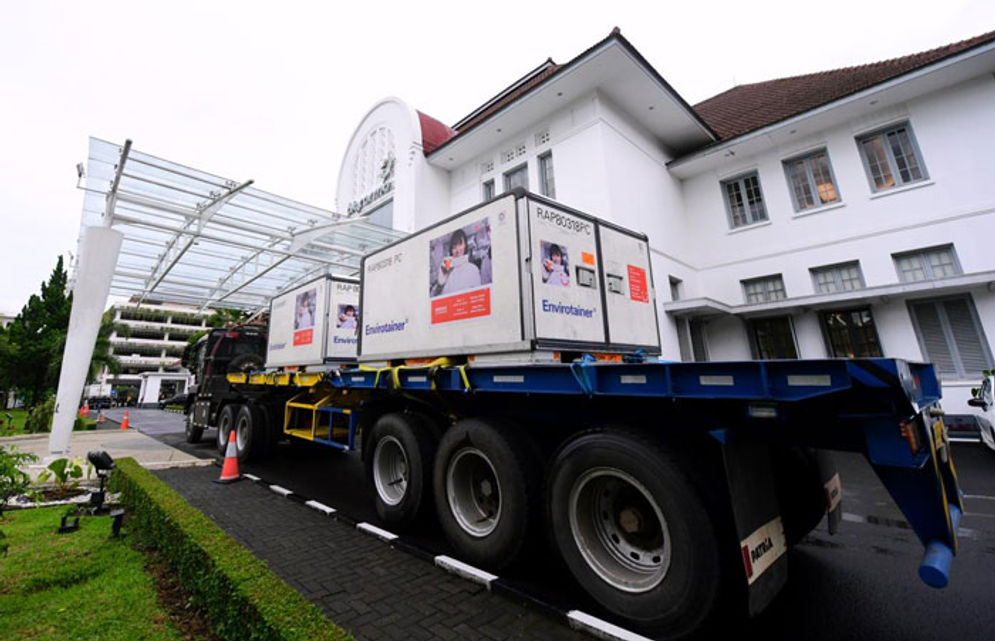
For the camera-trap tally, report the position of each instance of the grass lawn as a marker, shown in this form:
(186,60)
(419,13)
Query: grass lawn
(82,585)
(14,425)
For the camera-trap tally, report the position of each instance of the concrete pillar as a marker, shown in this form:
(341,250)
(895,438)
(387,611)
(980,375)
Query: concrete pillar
(98,257)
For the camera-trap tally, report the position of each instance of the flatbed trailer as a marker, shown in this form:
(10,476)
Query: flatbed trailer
(670,490)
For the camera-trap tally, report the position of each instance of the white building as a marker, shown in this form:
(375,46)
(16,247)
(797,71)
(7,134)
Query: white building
(157,336)
(843,213)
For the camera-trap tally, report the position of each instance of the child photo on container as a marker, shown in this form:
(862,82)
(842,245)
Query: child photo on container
(452,269)
(555,266)
(304,309)
(346,318)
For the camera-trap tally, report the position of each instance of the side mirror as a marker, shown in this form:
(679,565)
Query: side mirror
(977,402)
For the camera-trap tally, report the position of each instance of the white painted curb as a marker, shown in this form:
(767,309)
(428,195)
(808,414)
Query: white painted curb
(381,534)
(464,570)
(601,629)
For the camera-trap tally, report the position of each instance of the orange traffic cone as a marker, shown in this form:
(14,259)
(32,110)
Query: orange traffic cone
(124,423)
(229,471)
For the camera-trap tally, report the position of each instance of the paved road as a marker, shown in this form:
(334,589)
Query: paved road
(860,584)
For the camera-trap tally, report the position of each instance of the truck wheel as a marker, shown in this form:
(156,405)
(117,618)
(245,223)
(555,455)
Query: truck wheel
(485,479)
(400,466)
(634,531)
(250,433)
(193,434)
(226,422)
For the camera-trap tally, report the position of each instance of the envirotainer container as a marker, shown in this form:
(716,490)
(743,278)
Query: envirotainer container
(314,323)
(517,274)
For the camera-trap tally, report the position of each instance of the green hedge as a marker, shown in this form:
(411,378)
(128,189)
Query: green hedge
(243,598)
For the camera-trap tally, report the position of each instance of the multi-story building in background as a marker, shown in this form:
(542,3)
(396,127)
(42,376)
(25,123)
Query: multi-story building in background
(150,351)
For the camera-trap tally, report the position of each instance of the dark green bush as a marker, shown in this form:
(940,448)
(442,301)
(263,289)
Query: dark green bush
(242,597)
(40,417)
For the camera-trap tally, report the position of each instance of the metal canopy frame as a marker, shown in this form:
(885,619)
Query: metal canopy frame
(196,238)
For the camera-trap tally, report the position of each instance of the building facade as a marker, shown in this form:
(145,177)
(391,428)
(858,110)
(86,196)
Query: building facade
(153,346)
(837,214)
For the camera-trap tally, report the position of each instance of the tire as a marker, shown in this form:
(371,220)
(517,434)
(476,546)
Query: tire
(485,484)
(193,434)
(245,363)
(226,422)
(250,433)
(634,530)
(399,466)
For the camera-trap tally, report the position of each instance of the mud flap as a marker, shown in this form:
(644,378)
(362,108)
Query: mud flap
(834,490)
(759,528)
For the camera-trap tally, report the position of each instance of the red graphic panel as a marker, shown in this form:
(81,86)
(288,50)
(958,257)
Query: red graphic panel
(462,306)
(638,289)
(303,337)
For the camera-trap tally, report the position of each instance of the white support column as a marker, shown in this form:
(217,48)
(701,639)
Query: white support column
(98,257)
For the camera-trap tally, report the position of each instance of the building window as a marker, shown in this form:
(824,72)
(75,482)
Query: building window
(811,181)
(764,290)
(891,157)
(744,200)
(773,338)
(518,177)
(489,189)
(931,263)
(951,336)
(699,346)
(675,288)
(844,277)
(547,186)
(851,333)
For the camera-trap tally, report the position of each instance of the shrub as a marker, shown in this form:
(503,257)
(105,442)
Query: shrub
(242,597)
(13,480)
(40,417)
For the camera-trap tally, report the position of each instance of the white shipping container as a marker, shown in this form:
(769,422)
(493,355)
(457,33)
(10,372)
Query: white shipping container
(314,323)
(514,275)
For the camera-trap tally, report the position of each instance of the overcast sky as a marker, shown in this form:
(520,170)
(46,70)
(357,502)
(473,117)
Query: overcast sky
(273,91)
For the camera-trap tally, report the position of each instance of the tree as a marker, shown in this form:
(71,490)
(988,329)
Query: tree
(31,346)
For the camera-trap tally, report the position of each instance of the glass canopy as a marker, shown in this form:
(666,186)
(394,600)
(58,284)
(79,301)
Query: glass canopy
(195,238)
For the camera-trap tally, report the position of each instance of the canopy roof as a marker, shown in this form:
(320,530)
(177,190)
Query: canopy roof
(196,238)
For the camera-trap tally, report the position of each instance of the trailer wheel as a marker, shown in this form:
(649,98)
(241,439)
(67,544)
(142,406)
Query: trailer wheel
(193,434)
(485,479)
(226,422)
(400,465)
(634,531)
(250,433)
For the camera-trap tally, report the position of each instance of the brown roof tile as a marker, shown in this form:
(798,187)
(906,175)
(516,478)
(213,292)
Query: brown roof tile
(746,108)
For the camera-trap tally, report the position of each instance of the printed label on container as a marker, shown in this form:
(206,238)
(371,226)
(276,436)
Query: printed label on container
(304,337)
(762,548)
(638,290)
(461,306)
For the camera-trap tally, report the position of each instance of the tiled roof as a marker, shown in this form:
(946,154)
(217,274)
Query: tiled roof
(434,134)
(746,108)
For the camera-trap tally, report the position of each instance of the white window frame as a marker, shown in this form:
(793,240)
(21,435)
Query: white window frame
(893,169)
(838,281)
(768,294)
(810,181)
(749,217)
(524,167)
(924,263)
(547,181)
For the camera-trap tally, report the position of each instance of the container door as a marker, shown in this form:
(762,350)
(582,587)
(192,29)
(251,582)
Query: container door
(343,321)
(629,296)
(297,325)
(566,292)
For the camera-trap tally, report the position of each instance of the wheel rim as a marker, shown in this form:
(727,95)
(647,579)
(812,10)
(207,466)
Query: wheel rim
(242,433)
(473,492)
(224,427)
(390,470)
(619,530)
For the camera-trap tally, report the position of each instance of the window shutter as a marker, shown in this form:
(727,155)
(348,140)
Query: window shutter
(967,338)
(933,339)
